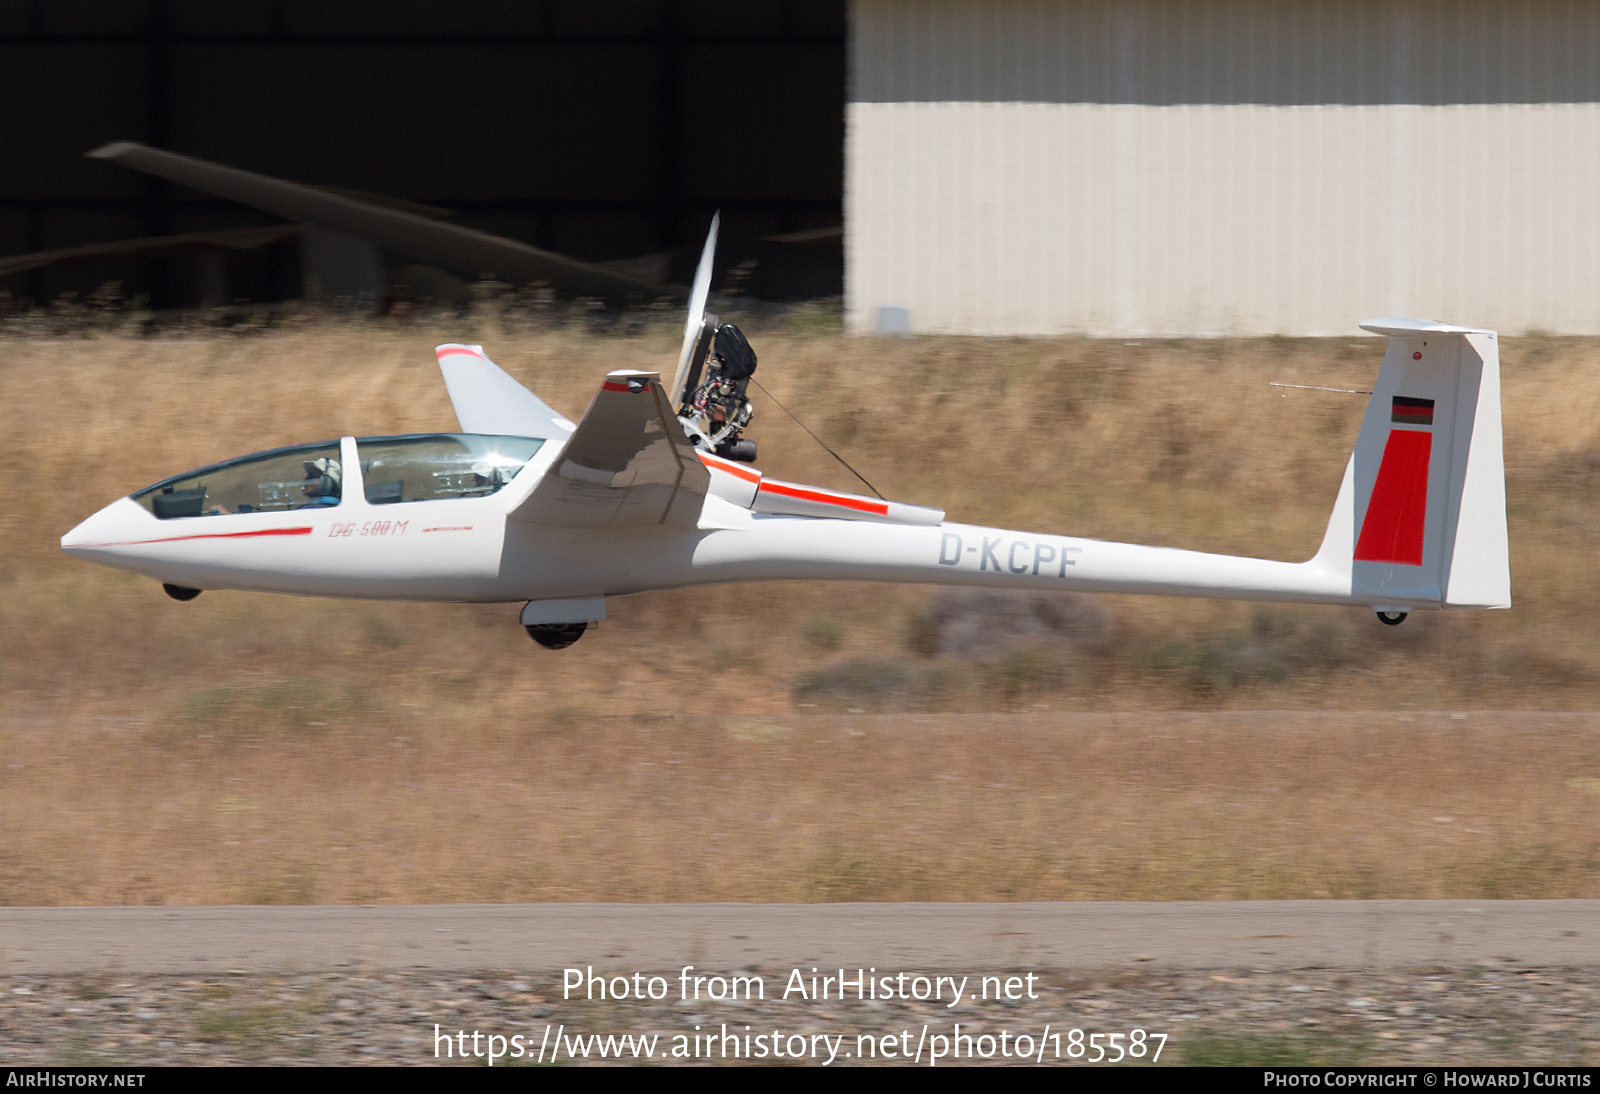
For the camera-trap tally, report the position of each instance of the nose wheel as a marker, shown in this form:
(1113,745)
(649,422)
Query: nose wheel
(556,636)
(179,592)
(1392,619)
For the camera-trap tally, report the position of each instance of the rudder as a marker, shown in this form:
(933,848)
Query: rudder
(1421,516)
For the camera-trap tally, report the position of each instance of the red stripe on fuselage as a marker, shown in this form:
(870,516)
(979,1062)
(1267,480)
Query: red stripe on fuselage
(745,473)
(1396,522)
(205,535)
(878,507)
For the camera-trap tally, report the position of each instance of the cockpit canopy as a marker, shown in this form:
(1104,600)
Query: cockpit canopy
(417,467)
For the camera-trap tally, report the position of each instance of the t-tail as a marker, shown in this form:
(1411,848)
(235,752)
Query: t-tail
(1420,520)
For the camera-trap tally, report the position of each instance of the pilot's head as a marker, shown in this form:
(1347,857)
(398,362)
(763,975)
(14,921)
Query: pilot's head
(322,478)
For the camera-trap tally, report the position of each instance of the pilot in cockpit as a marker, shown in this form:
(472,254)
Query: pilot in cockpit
(321,487)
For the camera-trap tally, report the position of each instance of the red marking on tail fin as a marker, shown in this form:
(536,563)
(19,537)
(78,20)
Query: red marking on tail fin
(1397,513)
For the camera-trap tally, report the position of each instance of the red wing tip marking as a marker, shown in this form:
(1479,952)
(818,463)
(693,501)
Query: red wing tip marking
(623,386)
(859,504)
(306,531)
(458,350)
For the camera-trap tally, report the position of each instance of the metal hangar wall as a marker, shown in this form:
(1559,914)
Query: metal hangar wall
(1217,167)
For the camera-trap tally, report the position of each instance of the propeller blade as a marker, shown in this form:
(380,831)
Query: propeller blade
(697,311)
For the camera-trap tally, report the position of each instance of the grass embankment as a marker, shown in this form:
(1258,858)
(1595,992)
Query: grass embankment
(700,746)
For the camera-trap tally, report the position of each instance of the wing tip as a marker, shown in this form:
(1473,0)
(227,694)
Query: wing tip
(113,150)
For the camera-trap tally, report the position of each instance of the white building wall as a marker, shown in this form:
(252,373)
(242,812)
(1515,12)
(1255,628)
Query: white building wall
(1212,167)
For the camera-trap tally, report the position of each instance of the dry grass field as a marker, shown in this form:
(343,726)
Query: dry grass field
(805,741)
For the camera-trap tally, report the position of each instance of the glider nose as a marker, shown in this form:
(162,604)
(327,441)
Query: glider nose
(75,540)
(101,532)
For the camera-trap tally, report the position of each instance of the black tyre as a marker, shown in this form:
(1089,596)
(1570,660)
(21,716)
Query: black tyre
(556,636)
(179,592)
(1392,619)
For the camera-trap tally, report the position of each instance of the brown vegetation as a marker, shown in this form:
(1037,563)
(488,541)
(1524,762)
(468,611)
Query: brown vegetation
(700,746)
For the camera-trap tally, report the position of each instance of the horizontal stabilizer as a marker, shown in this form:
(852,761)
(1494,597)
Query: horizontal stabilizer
(629,465)
(486,400)
(1405,328)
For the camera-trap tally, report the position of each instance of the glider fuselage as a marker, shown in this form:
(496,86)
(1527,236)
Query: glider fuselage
(527,505)
(469,551)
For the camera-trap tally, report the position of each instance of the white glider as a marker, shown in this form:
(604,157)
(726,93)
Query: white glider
(525,505)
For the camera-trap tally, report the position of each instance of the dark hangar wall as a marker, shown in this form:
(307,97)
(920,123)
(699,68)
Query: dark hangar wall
(597,128)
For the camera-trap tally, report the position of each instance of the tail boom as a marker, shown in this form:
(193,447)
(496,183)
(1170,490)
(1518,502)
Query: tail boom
(758,547)
(964,554)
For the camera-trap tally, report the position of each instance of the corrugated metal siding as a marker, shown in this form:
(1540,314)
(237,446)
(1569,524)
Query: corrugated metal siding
(1229,167)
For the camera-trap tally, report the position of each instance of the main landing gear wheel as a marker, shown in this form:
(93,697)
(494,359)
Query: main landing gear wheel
(178,592)
(556,636)
(1392,619)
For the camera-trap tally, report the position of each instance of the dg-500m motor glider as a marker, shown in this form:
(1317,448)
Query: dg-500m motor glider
(653,489)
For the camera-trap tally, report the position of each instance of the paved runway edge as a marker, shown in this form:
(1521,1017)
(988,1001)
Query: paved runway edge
(625,937)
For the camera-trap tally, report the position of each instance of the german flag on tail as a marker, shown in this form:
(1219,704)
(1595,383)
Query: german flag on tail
(1412,411)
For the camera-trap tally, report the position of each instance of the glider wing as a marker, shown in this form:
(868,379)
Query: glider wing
(465,251)
(486,400)
(629,465)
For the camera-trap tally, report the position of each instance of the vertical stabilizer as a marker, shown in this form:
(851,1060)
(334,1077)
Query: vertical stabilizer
(1421,516)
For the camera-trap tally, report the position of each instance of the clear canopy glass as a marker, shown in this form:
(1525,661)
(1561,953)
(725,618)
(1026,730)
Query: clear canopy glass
(440,466)
(303,476)
(421,467)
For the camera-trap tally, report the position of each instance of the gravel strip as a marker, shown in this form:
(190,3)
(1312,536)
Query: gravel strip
(1431,1016)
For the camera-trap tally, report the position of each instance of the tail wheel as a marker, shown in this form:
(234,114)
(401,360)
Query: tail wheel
(179,592)
(1392,619)
(556,636)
